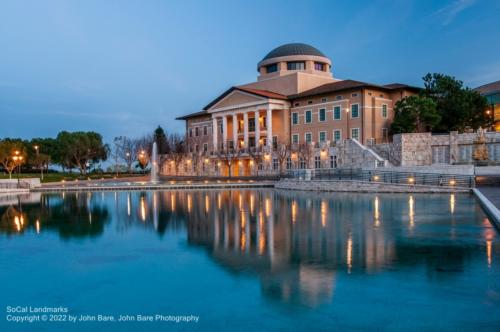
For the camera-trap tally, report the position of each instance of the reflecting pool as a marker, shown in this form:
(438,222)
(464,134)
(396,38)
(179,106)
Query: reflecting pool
(252,260)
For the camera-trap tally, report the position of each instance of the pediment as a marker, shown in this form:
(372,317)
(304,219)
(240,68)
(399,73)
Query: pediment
(236,98)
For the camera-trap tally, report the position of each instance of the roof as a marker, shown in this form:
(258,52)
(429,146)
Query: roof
(293,49)
(192,115)
(488,89)
(257,92)
(349,85)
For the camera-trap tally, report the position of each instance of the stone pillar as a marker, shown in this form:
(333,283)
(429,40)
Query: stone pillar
(224,131)
(257,129)
(245,130)
(235,130)
(269,121)
(214,133)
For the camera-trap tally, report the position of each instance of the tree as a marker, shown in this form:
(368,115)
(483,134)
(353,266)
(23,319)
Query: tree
(81,149)
(10,151)
(415,114)
(160,138)
(124,150)
(177,150)
(227,155)
(256,153)
(283,153)
(459,106)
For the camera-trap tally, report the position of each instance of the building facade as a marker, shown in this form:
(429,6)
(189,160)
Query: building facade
(295,104)
(492,93)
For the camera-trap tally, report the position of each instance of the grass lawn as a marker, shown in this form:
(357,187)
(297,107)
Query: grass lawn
(56,177)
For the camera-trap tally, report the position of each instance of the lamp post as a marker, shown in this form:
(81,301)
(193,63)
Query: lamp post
(17,161)
(128,160)
(37,149)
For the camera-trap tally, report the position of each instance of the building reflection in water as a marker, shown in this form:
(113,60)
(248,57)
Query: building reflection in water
(299,244)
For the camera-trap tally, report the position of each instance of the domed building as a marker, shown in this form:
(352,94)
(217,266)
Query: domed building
(296,103)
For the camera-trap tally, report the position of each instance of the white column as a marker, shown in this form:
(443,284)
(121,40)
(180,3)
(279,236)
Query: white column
(214,132)
(224,131)
(245,129)
(257,129)
(269,120)
(235,130)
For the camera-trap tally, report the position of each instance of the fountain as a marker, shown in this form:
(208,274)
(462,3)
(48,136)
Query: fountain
(154,164)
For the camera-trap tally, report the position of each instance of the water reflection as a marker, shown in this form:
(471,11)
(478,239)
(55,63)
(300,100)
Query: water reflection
(300,245)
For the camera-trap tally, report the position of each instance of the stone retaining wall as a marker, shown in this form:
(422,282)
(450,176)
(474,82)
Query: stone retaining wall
(360,186)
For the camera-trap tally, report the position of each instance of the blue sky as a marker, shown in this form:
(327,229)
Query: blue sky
(124,67)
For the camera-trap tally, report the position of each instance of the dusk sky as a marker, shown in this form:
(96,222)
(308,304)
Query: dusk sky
(124,67)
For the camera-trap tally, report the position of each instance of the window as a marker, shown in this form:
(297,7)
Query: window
(385,134)
(322,136)
(323,100)
(296,65)
(355,133)
(354,95)
(319,66)
(354,111)
(302,163)
(308,117)
(272,68)
(296,104)
(251,142)
(295,118)
(337,135)
(295,139)
(230,144)
(205,130)
(322,115)
(338,97)
(190,132)
(384,111)
(333,161)
(196,149)
(251,124)
(275,163)
(275,142)
(196,131)
(317,162)
(336,113)
(308,137)
(309,102)
(221,127)
(205,147)
(288,163)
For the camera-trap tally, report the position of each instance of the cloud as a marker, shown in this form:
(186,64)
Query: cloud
(448,13)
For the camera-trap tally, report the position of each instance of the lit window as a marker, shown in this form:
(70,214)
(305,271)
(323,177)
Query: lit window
(295,118)
(308,137)
(295,138)
(355,111)
(384,111)
(355,133)
(296,65)
(272,68)
(337,136)
(319,66)
(322,136)
(322,115)
(336,113)
(308,116)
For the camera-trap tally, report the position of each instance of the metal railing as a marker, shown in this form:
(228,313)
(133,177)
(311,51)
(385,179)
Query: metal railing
(381,176)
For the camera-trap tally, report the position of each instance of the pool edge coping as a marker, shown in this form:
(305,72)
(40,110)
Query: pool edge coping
(488,207)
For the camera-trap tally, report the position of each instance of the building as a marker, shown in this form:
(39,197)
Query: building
(296,101)
(492,93)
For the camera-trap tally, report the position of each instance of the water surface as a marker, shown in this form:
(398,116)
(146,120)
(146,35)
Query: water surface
(251,260)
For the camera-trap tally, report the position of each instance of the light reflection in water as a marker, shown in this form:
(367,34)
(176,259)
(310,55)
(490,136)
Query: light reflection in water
(324,211)
(411,211)
(190,202)
(452,203)
(376,213)
(488,252)
(143,209)
(37,226)
(349,253)
(294,211)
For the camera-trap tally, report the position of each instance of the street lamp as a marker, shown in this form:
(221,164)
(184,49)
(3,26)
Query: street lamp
(17,161)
